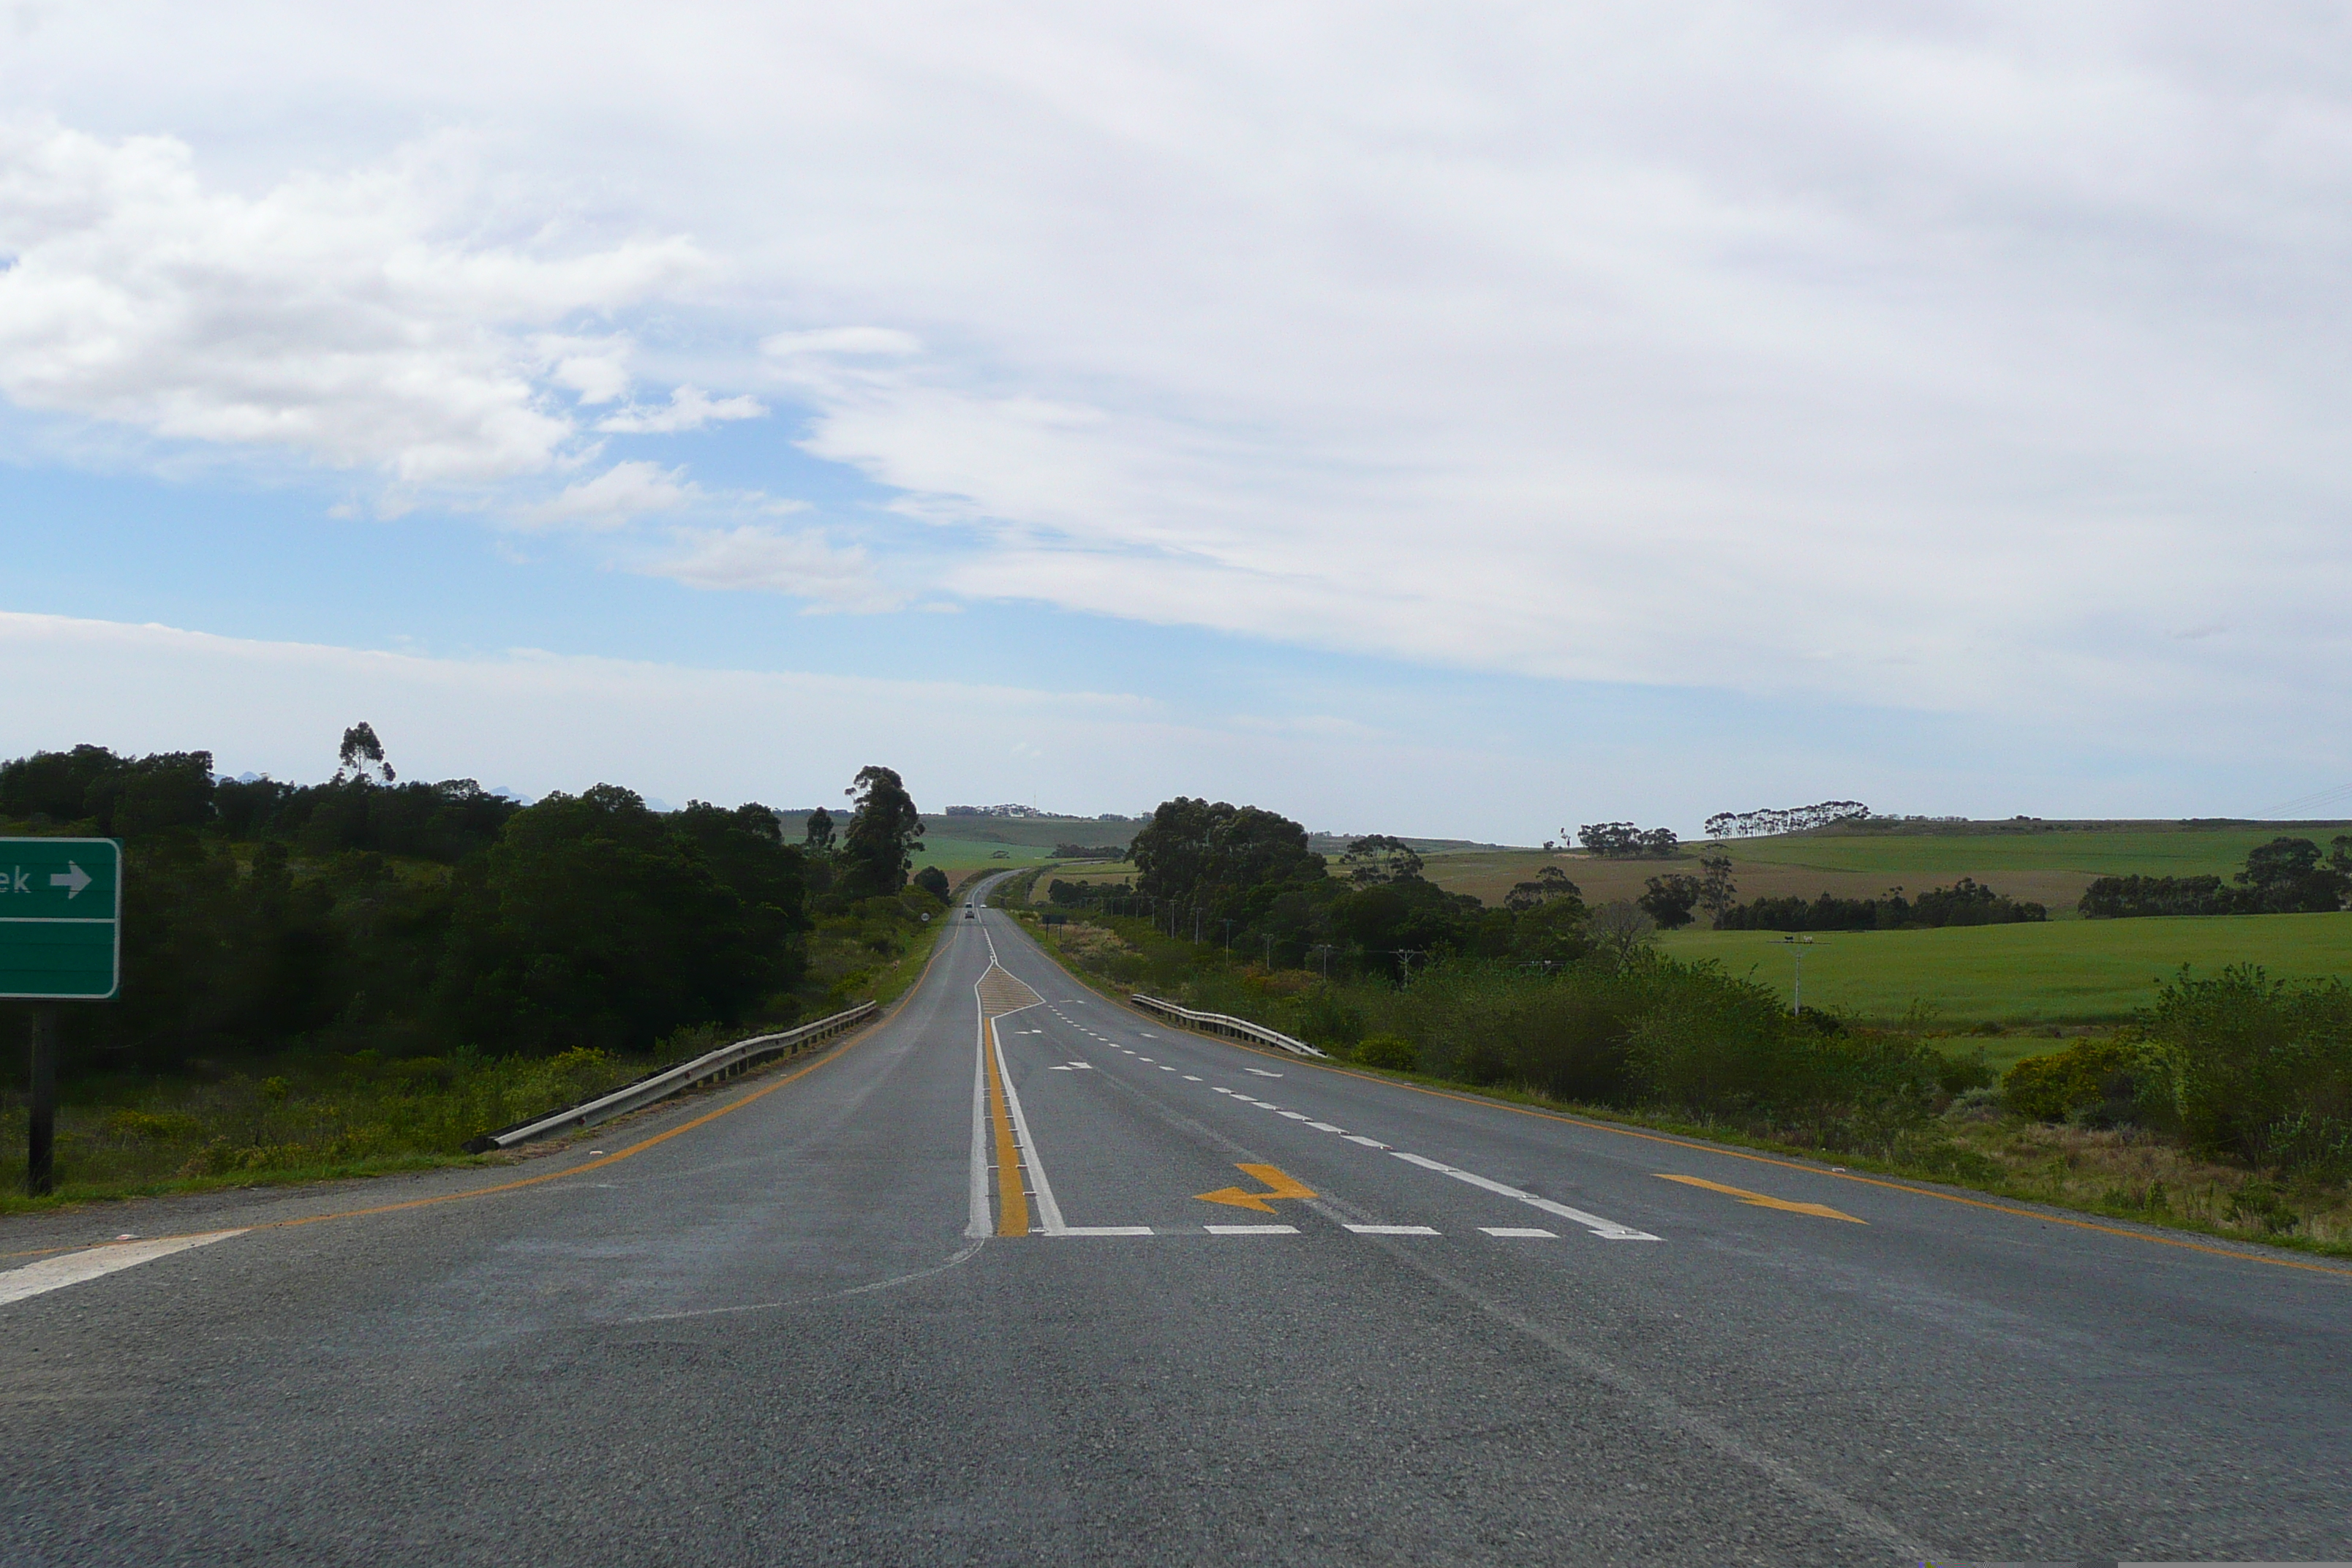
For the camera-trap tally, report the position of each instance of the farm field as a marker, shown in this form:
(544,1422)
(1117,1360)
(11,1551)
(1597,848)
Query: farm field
(2058,972)
(2050,865)
(957,844)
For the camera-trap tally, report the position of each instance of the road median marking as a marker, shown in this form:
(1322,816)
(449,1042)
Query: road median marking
(1011,1200)
(1762,1200)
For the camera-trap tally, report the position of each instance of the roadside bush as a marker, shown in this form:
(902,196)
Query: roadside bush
(1325,1019)
(2257,1068)
(2051,1087)
(1959,1075)
(1392,1052)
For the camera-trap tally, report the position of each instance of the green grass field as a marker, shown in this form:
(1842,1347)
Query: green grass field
(2058,973)
(2049,865)
(1919,858)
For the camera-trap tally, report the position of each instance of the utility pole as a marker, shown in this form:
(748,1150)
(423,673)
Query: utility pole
(1797,945)
(1269,953)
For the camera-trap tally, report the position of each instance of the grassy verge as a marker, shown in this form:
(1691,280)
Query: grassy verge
(307,1116)
(2122,1173)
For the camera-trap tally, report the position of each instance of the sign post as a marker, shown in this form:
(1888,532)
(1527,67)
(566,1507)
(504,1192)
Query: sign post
(60,940)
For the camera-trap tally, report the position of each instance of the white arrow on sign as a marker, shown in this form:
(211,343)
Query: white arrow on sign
(73,878)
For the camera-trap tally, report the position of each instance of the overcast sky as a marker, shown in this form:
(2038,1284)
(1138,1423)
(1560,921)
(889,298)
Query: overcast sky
(1464,419)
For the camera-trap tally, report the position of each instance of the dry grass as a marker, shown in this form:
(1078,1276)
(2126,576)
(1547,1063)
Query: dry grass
(2139,1175)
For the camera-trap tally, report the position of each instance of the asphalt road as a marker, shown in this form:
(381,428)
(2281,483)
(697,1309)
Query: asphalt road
(780,1324)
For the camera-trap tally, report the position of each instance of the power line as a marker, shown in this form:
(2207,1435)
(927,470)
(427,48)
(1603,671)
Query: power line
(2295,807)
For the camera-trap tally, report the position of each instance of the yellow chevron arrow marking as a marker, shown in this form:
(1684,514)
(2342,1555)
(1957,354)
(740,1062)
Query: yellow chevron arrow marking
(1763,1200)
(1278,1185)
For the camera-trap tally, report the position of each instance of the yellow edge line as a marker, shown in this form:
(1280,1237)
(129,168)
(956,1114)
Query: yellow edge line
(1012,1202)
(1726,1150)
(832,1055)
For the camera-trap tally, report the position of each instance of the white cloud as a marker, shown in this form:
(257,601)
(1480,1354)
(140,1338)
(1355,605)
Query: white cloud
(598,375)
(333,315)
(1947,358)
(803,565)
(619,495)
(690,408)
(854,340)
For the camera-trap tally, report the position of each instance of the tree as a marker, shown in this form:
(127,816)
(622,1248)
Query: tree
(2286,876)
(360,751)
(594,922)
(1549,883)
(1624,841)
(1193,852)
(1619,932)
(819,835)
(1717,891)
(934,881)
(884,833)
(1670,899)
(1380,859)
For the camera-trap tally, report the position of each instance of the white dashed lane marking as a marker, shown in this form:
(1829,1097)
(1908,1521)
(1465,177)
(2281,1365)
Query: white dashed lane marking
(1605,1229)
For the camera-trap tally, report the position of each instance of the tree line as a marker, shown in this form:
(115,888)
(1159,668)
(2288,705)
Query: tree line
(1244,877)
(417,919)
(1784,819)
(2286,876)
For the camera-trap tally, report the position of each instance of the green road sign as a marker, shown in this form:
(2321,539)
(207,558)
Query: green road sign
(60,917)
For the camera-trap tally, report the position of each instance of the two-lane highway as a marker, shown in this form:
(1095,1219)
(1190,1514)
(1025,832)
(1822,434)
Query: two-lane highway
(1024,1276)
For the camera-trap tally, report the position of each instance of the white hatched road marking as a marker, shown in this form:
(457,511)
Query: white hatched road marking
(57,1273)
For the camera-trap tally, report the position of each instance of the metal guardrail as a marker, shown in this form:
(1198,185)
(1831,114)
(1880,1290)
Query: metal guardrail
(1225,1024)
(724,1062)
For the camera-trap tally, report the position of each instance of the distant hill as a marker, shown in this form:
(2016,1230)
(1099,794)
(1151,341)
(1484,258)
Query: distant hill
(1946,826)
(1336,844)
(1020,832)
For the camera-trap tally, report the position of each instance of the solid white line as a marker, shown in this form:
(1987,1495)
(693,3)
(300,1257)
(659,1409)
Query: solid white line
(1251,1229)
(1606,1229)
(1106,1230)
(57,1273)
(1395,1230)
(980,1223)
(1526,1231)
(1049,1213)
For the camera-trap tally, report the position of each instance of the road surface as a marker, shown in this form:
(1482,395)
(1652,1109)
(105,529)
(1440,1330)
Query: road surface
(1237,1309)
